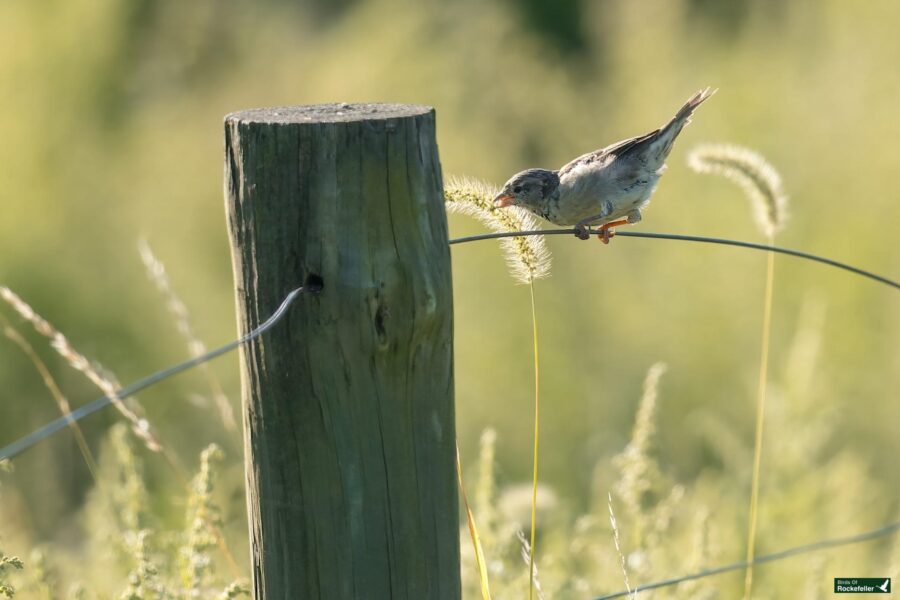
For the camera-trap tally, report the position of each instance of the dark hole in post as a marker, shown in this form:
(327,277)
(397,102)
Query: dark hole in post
(313,283)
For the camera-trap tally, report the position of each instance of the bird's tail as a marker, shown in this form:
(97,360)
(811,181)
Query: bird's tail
(671,130)
(684,115)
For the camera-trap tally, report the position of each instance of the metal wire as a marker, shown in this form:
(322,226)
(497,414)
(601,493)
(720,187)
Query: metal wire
(820,545)
(33,438)
(692,238)
(81,412)
(26,442)
(884,531)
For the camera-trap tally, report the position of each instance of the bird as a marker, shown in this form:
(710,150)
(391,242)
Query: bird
(607,187)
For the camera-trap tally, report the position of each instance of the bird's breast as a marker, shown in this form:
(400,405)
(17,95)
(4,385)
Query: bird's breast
(586,193)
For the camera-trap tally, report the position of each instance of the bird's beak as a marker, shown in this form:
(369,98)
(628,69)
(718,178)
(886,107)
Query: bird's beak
(503,199)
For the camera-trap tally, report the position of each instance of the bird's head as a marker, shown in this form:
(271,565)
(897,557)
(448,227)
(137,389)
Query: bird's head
(529,189)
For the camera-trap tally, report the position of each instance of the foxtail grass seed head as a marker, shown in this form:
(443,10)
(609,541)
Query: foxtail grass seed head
(528,257)
(753,173)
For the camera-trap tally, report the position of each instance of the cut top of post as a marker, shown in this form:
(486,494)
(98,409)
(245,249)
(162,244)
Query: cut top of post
(327,113)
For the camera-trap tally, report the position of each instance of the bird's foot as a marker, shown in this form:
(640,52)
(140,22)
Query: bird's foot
(582,232)
(606,232)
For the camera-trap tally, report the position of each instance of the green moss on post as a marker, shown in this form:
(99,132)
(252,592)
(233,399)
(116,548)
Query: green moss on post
(348,404)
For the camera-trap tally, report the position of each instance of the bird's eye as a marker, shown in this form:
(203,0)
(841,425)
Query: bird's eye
(517,189)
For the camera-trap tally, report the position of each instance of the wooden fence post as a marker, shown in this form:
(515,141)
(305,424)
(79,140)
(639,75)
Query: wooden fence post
(348,403)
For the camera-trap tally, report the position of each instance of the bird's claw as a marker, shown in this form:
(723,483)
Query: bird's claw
(604,235)
(584,232)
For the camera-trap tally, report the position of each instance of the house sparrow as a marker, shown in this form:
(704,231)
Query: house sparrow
(600,187)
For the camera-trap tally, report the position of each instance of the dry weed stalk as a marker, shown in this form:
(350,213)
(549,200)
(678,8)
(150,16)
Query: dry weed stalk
(156,271)
(105,382)
(526,556)
(50,383)
(615,528)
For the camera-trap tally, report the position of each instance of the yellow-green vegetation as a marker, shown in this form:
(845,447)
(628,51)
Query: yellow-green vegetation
(761,183)
(8,564)
(111,116)
(528,260)
(664,528)
(131,556)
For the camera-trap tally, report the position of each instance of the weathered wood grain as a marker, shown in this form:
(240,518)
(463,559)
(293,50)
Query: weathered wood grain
(348,404)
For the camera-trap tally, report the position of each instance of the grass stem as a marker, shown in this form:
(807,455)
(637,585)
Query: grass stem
(61,401)
(537,418)
(480,562)
(760,420)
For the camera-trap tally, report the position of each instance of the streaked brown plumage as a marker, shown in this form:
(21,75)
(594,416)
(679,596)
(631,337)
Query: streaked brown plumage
(601,187)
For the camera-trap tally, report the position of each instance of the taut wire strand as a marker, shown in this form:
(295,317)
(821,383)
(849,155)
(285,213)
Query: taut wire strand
(883,531)
(79,413)
(29,440)
(691,238)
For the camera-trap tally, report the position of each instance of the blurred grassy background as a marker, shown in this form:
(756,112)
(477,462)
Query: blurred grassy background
(111,112)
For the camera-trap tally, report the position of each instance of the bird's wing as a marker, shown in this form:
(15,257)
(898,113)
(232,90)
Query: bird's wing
(631,145)
(619,149)
(642,147)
